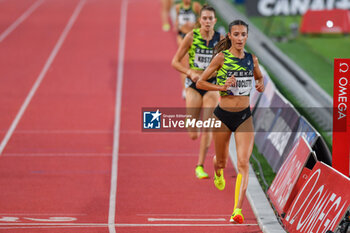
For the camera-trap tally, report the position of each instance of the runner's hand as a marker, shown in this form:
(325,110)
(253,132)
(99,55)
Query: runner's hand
(230,82)
(193,75)
(259,85)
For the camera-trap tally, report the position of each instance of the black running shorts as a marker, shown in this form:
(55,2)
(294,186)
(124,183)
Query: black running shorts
(232,119)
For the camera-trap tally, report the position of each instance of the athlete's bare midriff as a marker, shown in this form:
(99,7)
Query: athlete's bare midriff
(234,103)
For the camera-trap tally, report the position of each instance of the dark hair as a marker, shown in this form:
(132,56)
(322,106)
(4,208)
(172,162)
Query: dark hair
(225,43)
(207,8)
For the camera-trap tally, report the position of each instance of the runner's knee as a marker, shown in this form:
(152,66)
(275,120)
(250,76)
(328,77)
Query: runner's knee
(243,165)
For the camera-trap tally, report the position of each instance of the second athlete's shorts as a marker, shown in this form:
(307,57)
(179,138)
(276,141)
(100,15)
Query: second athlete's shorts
(190,83)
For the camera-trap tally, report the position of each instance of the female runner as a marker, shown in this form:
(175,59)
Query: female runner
(186,19)
(236,70)
(199,44)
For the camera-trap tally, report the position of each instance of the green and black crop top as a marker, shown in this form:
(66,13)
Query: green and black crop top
(200,54)
(242,69)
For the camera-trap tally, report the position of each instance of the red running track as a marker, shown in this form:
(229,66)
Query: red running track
(55,169)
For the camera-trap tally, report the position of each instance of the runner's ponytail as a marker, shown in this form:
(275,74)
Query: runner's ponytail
(222,45)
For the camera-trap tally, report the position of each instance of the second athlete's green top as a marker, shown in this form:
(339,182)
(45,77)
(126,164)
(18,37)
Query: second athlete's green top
(200,52)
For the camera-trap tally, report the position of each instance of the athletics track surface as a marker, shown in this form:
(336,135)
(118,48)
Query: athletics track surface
(74,76)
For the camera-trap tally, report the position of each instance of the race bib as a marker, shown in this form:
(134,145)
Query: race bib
(243,86)
(202,58)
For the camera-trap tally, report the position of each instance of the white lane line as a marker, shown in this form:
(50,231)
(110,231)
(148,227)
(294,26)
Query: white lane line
(23,17)
(61,131)
(120,225)
(185,215)
(118,102)
(184,225)
(84,132)
(159,154)
(54,224)
(58,154)
(186,219)
(48,227)
(87,154)
(41,75)
(43,214)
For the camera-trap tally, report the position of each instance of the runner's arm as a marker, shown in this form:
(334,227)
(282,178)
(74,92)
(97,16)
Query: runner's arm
(214,65)
(180,54)
(259,80)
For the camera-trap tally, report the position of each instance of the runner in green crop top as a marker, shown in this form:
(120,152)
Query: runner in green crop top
(201,50)
(241,69)
(187,12)
(236,71)
(199,43)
